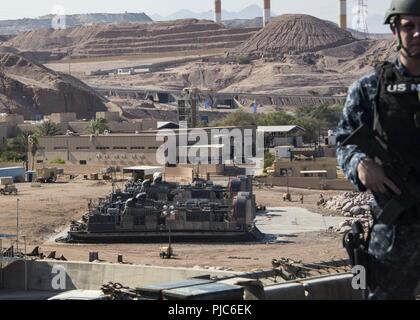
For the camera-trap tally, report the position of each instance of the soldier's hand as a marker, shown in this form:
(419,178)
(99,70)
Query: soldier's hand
(373,177)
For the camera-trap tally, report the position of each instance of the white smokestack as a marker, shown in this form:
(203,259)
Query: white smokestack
(267,12)
(343,14)
(218,11)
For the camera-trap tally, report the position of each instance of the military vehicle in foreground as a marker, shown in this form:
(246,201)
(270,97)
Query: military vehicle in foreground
(153,211)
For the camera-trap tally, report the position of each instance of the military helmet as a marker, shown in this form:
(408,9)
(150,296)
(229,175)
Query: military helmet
(398,7)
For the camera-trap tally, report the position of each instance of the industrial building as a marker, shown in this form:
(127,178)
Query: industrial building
(141,148)
(283,136)
(126,149)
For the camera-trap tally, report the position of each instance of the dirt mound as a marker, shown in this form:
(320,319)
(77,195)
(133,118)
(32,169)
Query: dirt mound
(133,38)
(294,34)
(31,89)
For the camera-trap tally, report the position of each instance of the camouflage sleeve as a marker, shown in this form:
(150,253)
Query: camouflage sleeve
(357,110)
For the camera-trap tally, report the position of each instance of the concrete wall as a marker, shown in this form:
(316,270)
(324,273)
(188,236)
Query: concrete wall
(296,166)
(108,116)
(12,121)
(63,117)
(91,276)
(179,174)
(309,183)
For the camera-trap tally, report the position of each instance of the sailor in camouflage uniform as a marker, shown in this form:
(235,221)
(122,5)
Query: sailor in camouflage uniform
(388,100)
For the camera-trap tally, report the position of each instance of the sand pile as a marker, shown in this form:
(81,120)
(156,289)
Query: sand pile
(31,89)
(294,34)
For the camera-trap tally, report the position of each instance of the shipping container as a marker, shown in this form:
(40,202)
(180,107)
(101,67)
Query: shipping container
(17,173)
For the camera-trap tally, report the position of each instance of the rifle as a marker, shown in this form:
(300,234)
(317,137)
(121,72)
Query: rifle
(357,248)
(401,171)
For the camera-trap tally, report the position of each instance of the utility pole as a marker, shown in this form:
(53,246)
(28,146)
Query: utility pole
(17,226)
(360,19)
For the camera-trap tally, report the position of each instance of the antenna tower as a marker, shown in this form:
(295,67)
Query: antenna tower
(361,12)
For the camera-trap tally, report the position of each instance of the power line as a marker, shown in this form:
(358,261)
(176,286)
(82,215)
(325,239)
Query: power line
(360,19)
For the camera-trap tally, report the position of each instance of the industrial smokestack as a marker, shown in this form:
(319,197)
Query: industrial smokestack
(218,11)
(267,12)
(343,14)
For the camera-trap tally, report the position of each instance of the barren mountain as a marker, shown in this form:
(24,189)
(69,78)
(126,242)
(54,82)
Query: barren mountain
(294,34)
(29,88)
(134,38)
(44,22)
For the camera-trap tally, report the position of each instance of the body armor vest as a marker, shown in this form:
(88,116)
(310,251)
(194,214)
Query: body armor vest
(398,102)
(396,105)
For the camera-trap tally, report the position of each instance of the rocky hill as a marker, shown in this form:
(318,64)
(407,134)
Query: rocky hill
(134,38)
(29,88)
(44,22)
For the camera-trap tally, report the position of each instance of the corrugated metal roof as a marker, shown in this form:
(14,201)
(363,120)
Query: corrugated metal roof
(284,129)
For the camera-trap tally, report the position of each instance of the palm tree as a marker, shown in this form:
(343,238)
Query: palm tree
(32,143)
(47,129)
(21,143)
(97,126)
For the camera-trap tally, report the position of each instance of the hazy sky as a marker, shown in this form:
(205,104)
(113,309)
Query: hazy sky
(326,9)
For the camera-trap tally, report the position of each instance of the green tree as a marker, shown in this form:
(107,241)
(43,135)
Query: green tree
(97,126)
(276,119)
(47,129)
(237,118)
(269,159)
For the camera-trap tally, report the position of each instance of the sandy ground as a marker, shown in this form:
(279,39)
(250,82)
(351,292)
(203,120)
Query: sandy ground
(47,210)
(79,67)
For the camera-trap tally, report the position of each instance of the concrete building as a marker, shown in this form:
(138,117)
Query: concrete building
(107,150)
(223,145)
(109,116)
(137,149)
(58,118)
(81,127)
(12,121)
(283,136)
(318,167)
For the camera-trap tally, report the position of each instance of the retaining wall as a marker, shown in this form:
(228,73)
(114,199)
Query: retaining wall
(91,276)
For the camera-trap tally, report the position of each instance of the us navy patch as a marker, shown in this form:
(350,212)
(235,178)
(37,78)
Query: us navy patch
(403,88)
